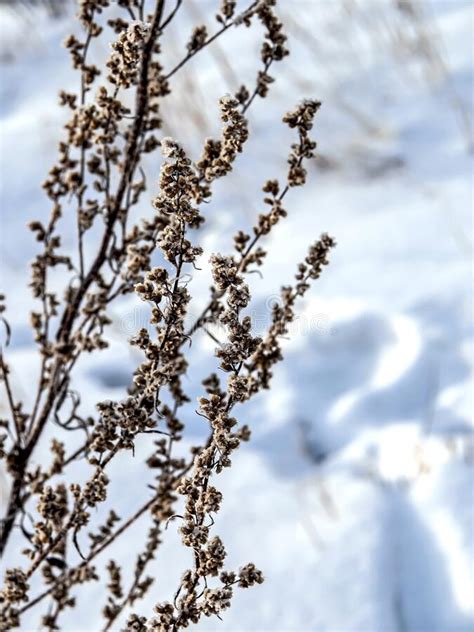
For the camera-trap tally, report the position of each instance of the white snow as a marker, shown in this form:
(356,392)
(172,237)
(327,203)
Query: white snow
(355,495)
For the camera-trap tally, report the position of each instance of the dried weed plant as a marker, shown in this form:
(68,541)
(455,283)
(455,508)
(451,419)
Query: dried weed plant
(99,179)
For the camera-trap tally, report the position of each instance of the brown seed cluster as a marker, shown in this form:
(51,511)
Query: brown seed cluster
(218,156)
(124,62)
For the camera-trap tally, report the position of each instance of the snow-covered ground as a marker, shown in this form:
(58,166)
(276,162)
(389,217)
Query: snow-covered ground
(356,494)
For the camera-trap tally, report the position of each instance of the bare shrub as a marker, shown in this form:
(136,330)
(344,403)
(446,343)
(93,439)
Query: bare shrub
(98,178)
